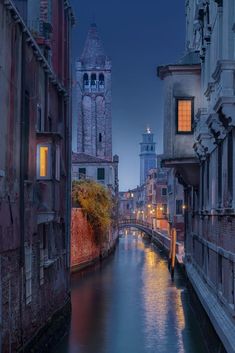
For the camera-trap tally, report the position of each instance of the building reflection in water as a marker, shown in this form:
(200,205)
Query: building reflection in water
(129,305)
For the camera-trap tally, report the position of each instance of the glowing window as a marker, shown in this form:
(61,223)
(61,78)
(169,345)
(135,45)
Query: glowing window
(184,115)
(43,162)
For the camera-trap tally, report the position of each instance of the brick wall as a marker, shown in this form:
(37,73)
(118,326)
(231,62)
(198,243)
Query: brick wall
(83,247)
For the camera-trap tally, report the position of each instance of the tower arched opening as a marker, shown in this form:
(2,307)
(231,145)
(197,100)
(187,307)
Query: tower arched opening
(93,82)
(101,81)
(86,82)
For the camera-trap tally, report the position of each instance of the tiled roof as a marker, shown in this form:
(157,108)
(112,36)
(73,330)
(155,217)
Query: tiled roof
(86,158)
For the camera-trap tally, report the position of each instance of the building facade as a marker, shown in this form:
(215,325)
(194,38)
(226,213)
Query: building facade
(200,111)
(148,157)
(35,163)
(156,199)
(100,170)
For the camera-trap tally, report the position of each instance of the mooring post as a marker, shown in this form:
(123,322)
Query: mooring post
(173,254)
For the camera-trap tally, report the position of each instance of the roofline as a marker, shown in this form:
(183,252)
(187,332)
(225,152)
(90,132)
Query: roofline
(166,70)
(36,49)
(68,6)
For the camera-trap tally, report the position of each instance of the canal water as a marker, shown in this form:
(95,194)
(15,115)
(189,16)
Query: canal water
(128,304)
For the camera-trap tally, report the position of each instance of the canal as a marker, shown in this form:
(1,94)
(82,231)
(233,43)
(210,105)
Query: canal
(128,304)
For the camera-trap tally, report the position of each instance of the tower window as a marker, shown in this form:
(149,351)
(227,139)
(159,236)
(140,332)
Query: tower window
(101,81)
(85,81)
(184,115)
(93,81)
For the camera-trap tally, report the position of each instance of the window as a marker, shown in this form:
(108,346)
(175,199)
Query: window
(179,207)
(82,173)
(202,184)
(220,269)
(26,135)
(100,137)
(40,122)
(101,81)
(85,81)
(57,163)
(28,273)
(93,81)
(230,167)
(219,173)
(41,230)
(100,174)
(184,114)
(164,209)
(164,191)
(44,161)
(208,179)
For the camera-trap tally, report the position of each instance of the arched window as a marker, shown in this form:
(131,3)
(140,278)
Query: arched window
(101,81)
(93,81)
(85,81)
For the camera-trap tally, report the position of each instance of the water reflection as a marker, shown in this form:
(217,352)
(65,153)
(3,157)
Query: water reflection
(130,305)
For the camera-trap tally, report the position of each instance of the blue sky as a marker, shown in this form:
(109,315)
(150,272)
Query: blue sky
(138,36)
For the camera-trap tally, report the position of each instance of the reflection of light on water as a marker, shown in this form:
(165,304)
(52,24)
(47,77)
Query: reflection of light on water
(162,304)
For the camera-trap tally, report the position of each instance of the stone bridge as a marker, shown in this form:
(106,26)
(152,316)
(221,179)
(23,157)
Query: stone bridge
(159,237)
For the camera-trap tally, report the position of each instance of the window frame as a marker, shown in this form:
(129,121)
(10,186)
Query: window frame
(99,169)
(57,162)
(49,175)
(182,211)
(82,176)
(40,124)
(177,99)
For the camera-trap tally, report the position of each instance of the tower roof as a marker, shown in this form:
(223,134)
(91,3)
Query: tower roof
(93,53)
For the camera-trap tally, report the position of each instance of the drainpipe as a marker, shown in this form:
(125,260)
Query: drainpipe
(68,147)
(21,193)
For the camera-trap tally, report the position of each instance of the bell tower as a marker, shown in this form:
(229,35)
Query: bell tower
(93,73)
(148,157)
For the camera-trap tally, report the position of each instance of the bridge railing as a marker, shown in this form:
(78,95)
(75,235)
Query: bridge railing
(135,221)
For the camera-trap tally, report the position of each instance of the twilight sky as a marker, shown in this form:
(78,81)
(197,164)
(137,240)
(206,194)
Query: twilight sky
(138,36)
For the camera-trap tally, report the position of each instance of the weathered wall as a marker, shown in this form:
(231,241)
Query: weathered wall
(83,248)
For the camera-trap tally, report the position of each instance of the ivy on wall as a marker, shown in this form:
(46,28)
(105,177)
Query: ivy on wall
(96,204)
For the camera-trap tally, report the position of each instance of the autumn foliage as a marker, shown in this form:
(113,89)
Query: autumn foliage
(96,204)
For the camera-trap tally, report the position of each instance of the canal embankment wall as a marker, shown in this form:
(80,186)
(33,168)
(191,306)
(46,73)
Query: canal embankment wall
(200,306)
(84,250)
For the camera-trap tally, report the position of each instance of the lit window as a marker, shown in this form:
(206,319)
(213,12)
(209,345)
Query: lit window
(43,161)
(184,115)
